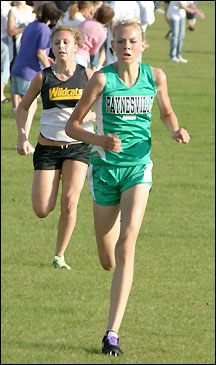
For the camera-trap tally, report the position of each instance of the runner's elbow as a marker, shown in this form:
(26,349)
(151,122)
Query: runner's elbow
(68,129)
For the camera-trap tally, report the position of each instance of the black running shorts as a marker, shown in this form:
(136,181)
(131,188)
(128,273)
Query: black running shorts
(52,157)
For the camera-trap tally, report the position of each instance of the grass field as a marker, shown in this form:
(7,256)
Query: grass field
(58,317)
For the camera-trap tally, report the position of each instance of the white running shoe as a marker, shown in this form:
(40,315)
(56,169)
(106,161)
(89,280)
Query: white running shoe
(183,60)
(159,11)
(58,261)
(174,59)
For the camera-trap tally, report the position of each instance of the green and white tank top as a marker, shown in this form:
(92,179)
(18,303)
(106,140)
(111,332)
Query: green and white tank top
(125,111)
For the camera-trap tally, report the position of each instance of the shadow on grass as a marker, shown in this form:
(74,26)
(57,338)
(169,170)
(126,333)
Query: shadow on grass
(40,345)
(199,52)
(93,351)
(51,346)
(38,264)
(54,347)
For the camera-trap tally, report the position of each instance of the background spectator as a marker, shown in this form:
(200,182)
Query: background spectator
(95,58)
(147,17)
(97,4)
(177,13)
(5,44)
(63,5)
(33,54)
(146,13)
(192,18)
(36,4)
(19,16)
(166,5)
(77,13)
(94,34)
(130,10)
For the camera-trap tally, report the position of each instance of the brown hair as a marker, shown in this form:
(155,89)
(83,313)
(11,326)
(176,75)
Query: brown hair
(130,22)
(104,14)
(77,6)
(78,37)
(48,10)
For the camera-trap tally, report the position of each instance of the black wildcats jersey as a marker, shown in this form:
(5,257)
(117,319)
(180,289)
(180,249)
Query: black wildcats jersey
(59,99)
(63,94)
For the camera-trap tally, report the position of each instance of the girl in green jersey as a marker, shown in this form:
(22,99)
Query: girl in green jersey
(120,165)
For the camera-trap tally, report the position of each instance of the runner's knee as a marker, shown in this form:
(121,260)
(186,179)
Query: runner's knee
(68,206)
(107,263)
(42,211)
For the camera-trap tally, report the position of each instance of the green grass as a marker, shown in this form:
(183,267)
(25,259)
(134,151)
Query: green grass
(59,317)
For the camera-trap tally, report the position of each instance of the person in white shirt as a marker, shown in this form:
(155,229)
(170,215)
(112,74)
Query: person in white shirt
(176,13)
(19,16)
(129,10)
(77,13)
(146,13)
(5,51)
(143,11)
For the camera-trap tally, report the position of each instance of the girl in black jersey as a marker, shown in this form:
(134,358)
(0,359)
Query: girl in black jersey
(57,155)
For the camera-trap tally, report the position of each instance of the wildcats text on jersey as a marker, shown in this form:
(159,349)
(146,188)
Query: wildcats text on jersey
(129,104)
(59,93)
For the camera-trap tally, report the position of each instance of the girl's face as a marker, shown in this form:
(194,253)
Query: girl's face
(88,12)
(64,45)
(128,43)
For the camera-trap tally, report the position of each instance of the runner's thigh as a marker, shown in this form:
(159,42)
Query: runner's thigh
(44,191)
(107,228)
(133,205)
(73,177)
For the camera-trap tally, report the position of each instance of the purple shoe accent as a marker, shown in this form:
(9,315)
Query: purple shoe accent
(112,340)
